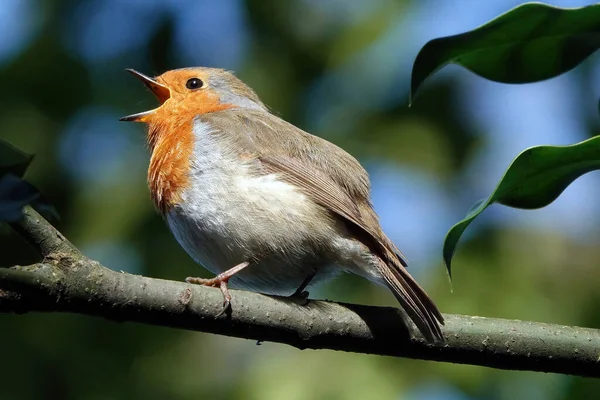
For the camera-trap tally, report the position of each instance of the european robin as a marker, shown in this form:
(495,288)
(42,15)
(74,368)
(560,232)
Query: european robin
(259,202)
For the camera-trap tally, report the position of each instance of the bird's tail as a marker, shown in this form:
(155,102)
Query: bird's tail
(413,299)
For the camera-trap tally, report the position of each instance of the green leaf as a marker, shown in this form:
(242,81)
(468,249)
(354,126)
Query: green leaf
(12,160)
(534,179)
(529,43)
(15,193)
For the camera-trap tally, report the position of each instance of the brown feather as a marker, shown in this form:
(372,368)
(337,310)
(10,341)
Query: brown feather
(335,180)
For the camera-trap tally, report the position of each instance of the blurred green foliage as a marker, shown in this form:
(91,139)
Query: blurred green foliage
(51,98)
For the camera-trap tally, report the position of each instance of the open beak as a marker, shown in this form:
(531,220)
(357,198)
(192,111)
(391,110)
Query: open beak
(162,93)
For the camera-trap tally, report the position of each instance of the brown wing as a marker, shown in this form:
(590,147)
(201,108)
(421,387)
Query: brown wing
(323,191)
(341,187)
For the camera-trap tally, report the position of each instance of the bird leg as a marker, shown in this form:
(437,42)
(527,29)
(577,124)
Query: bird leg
(220,281)
(300,293)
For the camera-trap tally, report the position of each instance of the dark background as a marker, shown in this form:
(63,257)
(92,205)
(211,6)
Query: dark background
(339,69)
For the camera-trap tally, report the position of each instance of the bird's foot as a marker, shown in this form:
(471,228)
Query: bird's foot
(220,281)
(300,297)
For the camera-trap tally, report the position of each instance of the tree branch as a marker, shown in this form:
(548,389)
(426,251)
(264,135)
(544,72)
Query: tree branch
(46,239)
(66,281)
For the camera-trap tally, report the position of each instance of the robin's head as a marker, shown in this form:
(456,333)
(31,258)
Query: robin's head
(194,91)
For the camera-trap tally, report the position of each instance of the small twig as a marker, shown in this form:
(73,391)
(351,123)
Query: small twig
(41,234)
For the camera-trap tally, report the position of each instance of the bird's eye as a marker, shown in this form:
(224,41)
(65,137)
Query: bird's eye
(194,83)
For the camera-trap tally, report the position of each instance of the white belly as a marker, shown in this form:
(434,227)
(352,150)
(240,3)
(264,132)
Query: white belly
(228,216)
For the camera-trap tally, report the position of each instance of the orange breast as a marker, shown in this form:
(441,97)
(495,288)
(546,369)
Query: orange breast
(171,139)
(172,145)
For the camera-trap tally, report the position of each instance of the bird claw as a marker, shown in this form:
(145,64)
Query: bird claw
(300,297)
(220,281)
(215,282)
(226,308)
(226,299)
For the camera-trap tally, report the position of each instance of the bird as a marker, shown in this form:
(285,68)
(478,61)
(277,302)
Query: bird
(260,203)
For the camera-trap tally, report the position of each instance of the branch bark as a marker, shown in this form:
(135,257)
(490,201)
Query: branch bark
(66,281)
